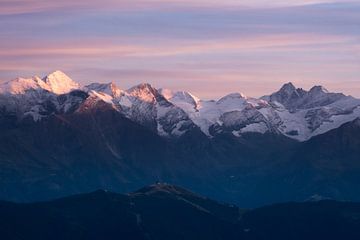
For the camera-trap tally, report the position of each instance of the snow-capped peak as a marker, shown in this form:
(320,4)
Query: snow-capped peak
(21,85)
(107,88)
(56,82)
(144,92)
(179,96)
(232,96)
(59,83)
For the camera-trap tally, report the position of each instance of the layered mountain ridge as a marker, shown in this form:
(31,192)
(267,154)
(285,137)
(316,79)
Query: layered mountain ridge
(237,149)
(292,112)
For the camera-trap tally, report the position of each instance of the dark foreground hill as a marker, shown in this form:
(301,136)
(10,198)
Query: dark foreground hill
(164,211)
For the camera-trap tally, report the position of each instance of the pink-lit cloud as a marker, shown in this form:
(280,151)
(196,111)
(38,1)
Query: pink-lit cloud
(206,46)
(32,6)
(109,47)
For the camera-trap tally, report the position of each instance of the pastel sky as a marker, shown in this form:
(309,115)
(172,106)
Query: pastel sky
(208,47)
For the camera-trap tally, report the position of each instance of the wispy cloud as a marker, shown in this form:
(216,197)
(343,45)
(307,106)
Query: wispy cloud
(109,48)
(33,6)
(250,45)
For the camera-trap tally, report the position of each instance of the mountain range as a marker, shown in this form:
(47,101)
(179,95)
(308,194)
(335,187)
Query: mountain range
(59,138)
(163,211)
(292,112)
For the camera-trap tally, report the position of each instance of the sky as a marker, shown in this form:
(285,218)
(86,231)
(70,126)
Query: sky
(207,47)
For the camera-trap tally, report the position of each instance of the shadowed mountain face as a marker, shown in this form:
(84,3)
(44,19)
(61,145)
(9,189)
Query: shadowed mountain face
(329,164)
(100,148)
(164,211)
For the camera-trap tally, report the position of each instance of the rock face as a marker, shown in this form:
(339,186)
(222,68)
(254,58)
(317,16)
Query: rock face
(57,138)
(296,98)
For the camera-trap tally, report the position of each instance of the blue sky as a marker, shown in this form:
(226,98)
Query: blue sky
(207,47)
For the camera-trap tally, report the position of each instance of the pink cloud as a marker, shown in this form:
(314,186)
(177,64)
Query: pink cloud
(131,61)
(109,47)
(33,6)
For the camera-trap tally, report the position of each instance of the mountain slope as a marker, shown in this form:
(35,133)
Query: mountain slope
(328,165)
(163,211)
(77,152)
(153,213)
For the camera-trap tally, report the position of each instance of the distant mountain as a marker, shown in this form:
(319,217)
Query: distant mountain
(57,139)
(305,114)
(163,211)
(296,98)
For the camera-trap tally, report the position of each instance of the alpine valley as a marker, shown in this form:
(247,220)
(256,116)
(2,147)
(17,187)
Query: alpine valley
(58,138)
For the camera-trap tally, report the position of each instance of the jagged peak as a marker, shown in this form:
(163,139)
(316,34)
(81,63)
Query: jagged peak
(180,95)
(288,87)
(286,90)
(59,83)
(144,91)
(286,94)
(107,88)
(318,89)
(142,86)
